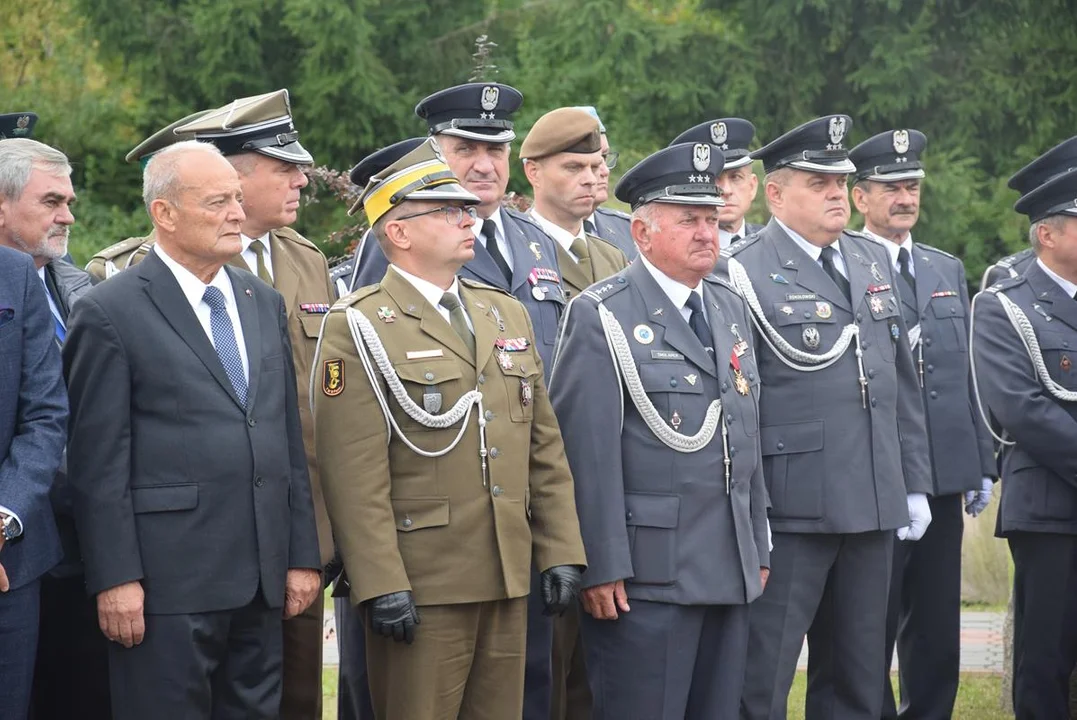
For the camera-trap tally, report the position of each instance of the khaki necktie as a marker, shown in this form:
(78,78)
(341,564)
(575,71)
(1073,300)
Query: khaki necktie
(259,249)
(583,254)
(458,320)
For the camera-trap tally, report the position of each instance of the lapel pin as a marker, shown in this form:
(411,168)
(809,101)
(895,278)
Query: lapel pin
(248,292)
(657,312)
(777,277)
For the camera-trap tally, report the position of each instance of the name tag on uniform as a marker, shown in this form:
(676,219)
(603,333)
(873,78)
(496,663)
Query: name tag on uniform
(666,355)
(422,354)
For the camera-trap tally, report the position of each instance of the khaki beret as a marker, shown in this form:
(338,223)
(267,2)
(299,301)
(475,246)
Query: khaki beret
(566,129)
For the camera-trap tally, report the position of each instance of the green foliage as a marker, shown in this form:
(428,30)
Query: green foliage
(989,83)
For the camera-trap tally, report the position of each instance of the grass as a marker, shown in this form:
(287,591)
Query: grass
(977,697)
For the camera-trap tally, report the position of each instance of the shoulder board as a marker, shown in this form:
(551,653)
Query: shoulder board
(603,241)
(517,215)
(476,285)
(864,236)
(740,245)
(342,269)
(289,234)
(1009,282)
(857,233)
(613,213)
(355,296)
(120,248)
(719,280)
(1010,260)
(938,252)
(606,288)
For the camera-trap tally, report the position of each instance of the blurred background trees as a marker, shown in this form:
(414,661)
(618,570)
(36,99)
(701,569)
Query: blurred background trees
(989,83)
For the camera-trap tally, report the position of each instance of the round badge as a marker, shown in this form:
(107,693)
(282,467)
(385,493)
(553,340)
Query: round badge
(643,334)
(811,338)
(538,292)
(823,310)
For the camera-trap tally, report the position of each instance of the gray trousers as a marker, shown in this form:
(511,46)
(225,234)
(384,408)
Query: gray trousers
(834,589)
(663,661)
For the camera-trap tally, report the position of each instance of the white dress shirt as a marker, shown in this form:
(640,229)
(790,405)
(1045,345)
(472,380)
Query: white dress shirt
(1067,287)
(502,243)
(251,258)
(677,292)
(432,294)
(52,302)
(193,289)
(725,239)
(814,251)
(563,237)
(894,248)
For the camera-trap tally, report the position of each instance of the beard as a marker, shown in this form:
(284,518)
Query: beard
(51,246)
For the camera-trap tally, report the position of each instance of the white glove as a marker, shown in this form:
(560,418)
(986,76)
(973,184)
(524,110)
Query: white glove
(976,500)
(919,518)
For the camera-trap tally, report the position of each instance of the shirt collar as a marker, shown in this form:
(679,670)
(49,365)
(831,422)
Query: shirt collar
(725,238)
(430,292)
(676,291)
(193,288)
(498,221)
(1067,287)
(563,237)
(247,242)
(892,247)
(814,251)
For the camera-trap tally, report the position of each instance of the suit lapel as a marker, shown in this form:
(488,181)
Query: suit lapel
(412,303)
(285,274)
(927,280)
(858,268)
(484,269)
(515,239)
(661,311)
(165,293)
(1055,301)
(485,325)
(247,304)
(806,272)
(721,330)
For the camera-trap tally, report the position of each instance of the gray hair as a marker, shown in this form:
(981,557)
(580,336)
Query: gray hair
(19,157)
(1054,222)
(648,215)
(243,162)
(160,180)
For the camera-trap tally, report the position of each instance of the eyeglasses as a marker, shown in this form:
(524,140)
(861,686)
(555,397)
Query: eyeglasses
(611,159)
(454,214)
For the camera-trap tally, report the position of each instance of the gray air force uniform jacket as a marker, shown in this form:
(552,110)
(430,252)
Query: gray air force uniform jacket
(1008,267)
(536,279)
(961,450)
(659,518)
(616,227)
(1039,473)
(837,459)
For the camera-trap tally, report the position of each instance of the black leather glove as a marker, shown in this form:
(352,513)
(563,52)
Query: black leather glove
(560,584)
(332,570)
(395,614)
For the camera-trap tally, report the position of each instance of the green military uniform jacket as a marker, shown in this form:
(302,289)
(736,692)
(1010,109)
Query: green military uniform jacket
(301,276)
(403,521)
(606,259)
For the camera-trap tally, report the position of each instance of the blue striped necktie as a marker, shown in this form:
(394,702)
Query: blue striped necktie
(224,341)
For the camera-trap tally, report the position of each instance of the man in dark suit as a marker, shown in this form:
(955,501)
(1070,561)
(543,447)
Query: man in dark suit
(192,496)
(738,184)
(842,428)
(32,434)
(1024,333)
(924,613)
(674,524)
(71,675)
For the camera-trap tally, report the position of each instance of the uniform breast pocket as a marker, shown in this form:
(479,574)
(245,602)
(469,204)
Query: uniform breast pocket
(312,324)
(807,325)
(671,387)
(433,384)
(1059,357)
(886,326)
(949,316)
(520,379)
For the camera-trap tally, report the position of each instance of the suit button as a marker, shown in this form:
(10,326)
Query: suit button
(865,344)
(259,482)
(496,490)
(953,311)
(673,382)
(251,422)
(931,368)
(407,522)
(871,373)
(859,317)
(729,419)
(933,394)
(781,446)
(628,515)
(874,402)
(429,376)
(927,341)
(494,452)
(725,386)
(482,378)
(732,451)
(489,415)
(751,376)
(807,315)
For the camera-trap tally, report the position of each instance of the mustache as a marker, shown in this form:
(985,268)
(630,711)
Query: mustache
(903,210)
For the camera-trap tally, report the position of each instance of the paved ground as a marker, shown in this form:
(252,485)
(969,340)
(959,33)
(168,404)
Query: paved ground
(981,643)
